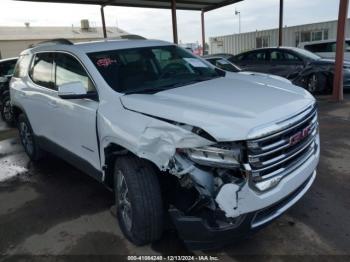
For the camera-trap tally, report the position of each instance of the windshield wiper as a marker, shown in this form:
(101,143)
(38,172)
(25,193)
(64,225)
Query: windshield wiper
(193,81)
(145,91)
(152,90)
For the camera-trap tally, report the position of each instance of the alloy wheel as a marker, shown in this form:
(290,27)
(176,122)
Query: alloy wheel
(124,205)
(7,111)
(312,83)
(26,137)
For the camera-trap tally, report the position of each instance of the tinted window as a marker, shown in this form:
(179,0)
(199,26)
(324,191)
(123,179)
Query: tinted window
(255,56)
(41,72)
(69,70)
(151,69)
(277,55)
(7,68)
(240,57)
(291,57)
(22,66)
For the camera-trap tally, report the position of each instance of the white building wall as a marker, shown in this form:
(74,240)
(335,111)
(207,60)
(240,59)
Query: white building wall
(237,43)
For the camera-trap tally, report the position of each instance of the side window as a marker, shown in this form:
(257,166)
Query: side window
(6,68)
(291,57)
(11,67)
(22,65)
(41,71)
(240,57)
(68,70)
(276,56)
(256,56)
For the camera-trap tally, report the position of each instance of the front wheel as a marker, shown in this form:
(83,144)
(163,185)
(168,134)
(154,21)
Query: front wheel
(316,83)
(138,199)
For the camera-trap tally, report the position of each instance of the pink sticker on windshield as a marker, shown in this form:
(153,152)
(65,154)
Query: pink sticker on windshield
(105,62)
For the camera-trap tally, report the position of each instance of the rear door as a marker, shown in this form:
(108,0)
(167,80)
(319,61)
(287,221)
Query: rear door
(37,96)
(284,63)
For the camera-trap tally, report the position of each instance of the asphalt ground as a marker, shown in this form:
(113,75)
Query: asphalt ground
(50,210)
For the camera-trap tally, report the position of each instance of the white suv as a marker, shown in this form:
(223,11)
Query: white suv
(222,153)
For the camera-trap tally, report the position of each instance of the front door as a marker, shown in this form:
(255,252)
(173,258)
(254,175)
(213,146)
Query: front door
(75,119)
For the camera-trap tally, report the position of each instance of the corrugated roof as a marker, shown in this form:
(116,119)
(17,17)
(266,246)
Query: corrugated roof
(38,33)
(205,5)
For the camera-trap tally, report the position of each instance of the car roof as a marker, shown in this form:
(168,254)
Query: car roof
(271,48)
(98,46)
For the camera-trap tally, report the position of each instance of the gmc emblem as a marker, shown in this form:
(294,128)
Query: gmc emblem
(295,139)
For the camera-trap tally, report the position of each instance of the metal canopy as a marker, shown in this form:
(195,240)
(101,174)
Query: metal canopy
(199,5)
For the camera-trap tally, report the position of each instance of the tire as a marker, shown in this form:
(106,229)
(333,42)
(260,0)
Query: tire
(316,83)
(138,200)
(6,110)
(27,138)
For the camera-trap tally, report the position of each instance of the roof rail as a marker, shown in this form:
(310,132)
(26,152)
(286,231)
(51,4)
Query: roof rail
(58,41)
(132,37)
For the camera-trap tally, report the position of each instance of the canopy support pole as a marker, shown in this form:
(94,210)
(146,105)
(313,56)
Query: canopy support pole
(174,21)
(280,29)
(339,56)
(203,32)
(103,22)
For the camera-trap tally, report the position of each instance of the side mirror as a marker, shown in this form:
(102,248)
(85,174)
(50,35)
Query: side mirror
(73,90)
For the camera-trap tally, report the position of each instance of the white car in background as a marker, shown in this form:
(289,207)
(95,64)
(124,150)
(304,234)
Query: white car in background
(326,48)
(222,153)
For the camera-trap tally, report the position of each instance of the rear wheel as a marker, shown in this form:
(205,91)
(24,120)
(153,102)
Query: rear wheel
(6,111)
(138,200)
(28,139)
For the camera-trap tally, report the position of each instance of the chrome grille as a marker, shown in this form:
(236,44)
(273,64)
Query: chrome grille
(281,152)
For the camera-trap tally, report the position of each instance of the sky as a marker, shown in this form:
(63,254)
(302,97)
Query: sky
(156,23)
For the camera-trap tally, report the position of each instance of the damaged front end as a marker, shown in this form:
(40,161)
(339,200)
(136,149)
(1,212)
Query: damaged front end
(209,180)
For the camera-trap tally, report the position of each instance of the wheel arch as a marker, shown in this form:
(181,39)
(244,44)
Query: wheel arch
(111,152)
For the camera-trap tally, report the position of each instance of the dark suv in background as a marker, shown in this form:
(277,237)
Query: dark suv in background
(7,67)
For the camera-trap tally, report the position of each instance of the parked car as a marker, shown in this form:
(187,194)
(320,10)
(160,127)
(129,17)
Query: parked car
(302,67)
(224,64)
(326,48)
(222,154)
(6,70)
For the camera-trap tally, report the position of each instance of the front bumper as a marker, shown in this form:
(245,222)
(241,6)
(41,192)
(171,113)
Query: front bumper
(198,234)
(255,209)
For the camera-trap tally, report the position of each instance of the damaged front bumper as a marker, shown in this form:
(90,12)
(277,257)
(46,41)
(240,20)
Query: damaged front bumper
(245,210)
(197,233)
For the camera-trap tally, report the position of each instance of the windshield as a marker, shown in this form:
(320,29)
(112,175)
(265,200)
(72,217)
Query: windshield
(308,54)
(151,69)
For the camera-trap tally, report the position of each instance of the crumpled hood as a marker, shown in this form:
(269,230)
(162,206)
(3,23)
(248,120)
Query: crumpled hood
(228,108)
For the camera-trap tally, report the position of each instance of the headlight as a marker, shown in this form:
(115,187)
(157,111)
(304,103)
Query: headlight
(215,156)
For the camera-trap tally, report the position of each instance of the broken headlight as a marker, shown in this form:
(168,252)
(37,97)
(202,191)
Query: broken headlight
(215,156)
